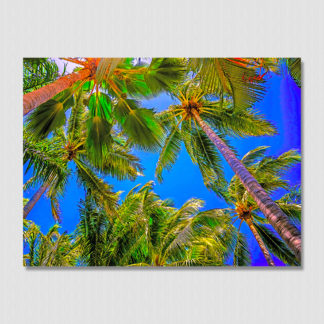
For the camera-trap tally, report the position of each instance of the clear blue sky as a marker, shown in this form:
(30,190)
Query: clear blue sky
(281,105)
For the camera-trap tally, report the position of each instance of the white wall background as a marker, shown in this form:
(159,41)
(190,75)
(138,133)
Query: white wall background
(165,28)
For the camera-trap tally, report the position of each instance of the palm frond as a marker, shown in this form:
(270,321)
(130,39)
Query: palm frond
(242,256)
(221,76)
(276,245)
(163,74)
(38,72)
(294,67)
(46,158)
(100,191)
(169,152)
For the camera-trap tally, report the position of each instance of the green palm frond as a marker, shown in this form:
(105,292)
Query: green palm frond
(240,122)
(222,76)
(242,255)
(50,115)
(276,245)
(169,153)
(293,211)
(100,191)
(77,118)
(294,67)
(99,138)
(208,159)
(38,72)
(90,233)
(121,164)
(267,170)
(52,250)
(46,158)
(139,124)
(277,166)
(253,156)
(163,74)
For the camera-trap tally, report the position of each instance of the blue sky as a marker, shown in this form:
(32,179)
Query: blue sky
(281,105)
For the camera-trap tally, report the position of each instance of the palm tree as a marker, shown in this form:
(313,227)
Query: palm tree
(197,115)
(112,95)
(50,158)
(112,73)
(50,250)
(151,232)
(269,172)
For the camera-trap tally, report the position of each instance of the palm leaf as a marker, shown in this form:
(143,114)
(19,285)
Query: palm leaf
(169,152)
(275,245)
(100,191)
(294,67)
(163,74)
(221,76)
(242,255)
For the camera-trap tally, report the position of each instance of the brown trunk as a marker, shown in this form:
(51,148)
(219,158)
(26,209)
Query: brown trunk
(37,97)
(261,243)
(277,218)
(31,203)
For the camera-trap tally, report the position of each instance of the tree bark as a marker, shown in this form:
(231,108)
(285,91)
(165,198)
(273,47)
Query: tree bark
(35,98)
(277,218)
(31,203)
(261,243)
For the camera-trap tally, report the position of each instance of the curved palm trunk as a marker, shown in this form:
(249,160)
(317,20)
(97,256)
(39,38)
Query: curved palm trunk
(35,98)
(261,243)
(277,218)
(31,203)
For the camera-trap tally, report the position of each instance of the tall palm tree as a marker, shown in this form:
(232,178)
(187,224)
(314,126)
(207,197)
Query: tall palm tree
(111,73)
(50,250)
(50,158)
(112,95)
(151,232)
(269,173)
(196,115)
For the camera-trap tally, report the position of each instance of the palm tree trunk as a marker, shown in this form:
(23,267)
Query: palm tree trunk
(35,98)
(277,218)
(31,203)
(261,243)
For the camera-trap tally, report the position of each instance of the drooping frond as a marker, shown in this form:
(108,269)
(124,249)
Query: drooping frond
(294,67)
(77,118)
(139,124)
(46,159)
(99,138)
(276,245)
(100,191)
(277,166)
(242,255)
(293,211)
(221,76)
(163,74)
(120,163)
(208,159)
(50,115)
(170,151)
(253,156)
(239,122)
